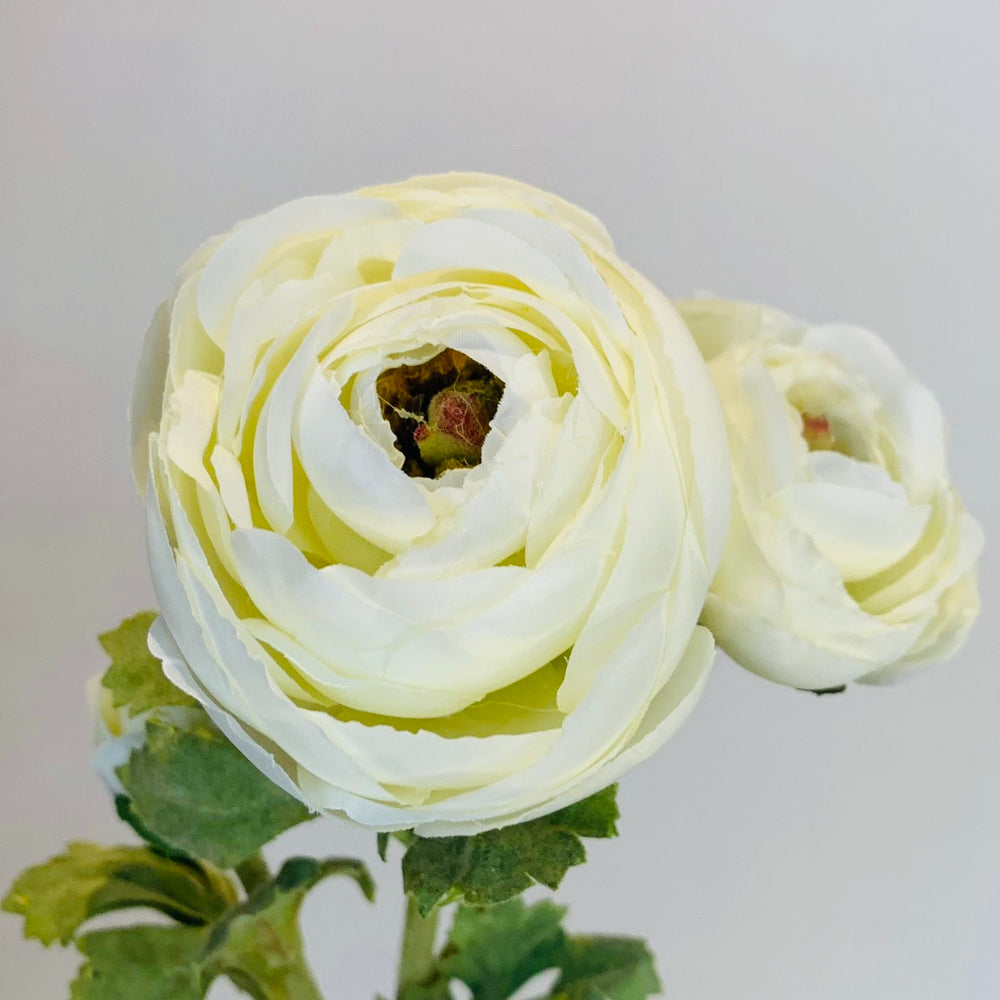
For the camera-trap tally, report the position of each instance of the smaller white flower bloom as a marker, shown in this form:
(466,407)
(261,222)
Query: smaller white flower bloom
(851,557)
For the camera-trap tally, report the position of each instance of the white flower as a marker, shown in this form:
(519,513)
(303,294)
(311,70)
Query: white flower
(850,556)
(451,638)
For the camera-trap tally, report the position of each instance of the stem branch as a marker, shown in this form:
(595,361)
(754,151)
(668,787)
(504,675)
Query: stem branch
(416,959)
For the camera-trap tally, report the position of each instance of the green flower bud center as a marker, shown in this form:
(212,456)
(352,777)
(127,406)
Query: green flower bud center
(439,411)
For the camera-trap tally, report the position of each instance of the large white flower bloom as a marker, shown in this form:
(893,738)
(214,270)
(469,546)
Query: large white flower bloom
(850,556)
(461,642)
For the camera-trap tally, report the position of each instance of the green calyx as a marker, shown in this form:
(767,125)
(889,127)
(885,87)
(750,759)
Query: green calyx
(440,411)
(458,420)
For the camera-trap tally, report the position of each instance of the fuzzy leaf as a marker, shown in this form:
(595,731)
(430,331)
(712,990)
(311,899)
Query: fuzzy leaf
(142,963)
(135,677)
(195,791)
(258,944)
(123,807)
(497,865)
(57,897)
(606,968)
(495,951)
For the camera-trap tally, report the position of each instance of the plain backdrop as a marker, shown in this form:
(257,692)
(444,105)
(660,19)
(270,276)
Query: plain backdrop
(838,159)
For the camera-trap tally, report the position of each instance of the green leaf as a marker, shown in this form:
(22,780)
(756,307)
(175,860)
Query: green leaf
(56,897)
(434,990)
(193,790)
(258,944)
(255,943)
(497,865)
(606,968)
(383,845)
(495,951)
(142,963)
(123,806)
(135,677)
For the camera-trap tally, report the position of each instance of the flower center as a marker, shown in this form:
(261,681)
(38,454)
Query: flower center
(816,431)
(439,411)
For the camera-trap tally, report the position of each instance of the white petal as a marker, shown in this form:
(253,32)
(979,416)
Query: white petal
(146,404)
(190,421)
(234,265)
(466,245)
(354,477)
(470,634)
(861,531)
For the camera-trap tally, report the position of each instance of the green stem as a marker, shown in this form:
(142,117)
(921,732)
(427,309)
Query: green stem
(416,959)
(253,872)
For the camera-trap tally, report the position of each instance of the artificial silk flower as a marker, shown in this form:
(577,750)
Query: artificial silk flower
(436,485)
(851,557)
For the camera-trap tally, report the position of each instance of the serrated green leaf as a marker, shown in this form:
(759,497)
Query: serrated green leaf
(135,677)
(196,792)
(497,865)
(497,950)
(258,944)
(142,963)
(255,943)
(57,897)
(596,816)
(606,968)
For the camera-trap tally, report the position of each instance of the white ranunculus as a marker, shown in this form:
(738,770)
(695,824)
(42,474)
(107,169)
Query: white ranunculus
(851,557)
(455,645)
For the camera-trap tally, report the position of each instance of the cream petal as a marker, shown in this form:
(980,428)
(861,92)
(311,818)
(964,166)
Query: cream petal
(781,655)
(695,424)
(861,531)
(228,662)
(667,712)
(272,454)
(354,477)
(718,324)
(389,698)
(424,761)
(232,487)
(574,465)
(917,425)
(598,728)
(467,245)
(236,262)
(493,523)
(146,403)
(464,190)
(470,634)
(564,251)
(190,421)
(163,647)
(646,561)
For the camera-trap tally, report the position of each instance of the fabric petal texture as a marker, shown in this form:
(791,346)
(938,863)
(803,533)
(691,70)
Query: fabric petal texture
(452,638)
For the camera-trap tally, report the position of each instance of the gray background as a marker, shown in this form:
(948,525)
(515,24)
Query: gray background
(839,159)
